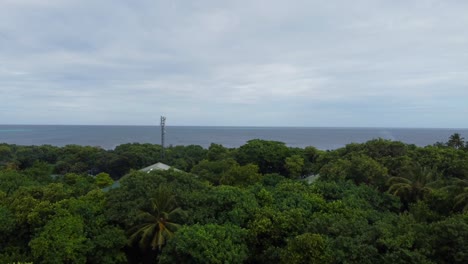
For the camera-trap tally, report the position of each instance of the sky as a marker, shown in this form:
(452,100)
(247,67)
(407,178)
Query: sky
(305,63)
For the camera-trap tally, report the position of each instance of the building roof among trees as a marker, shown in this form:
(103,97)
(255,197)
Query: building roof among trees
(157,166)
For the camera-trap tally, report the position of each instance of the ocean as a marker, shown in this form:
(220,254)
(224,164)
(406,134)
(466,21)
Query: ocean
(109,137)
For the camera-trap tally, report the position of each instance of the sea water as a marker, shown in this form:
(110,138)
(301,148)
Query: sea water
(109,137)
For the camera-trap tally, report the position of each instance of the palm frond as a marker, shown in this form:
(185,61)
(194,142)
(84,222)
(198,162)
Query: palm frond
(399,188)
(140,234)
(147,216)
(394,180)
(176,212)
(461,200)
(157,227)
(172,226)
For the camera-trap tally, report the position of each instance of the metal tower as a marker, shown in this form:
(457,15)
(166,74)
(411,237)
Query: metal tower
(163,134)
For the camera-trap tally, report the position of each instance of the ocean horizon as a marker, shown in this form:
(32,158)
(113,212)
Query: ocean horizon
(110,136)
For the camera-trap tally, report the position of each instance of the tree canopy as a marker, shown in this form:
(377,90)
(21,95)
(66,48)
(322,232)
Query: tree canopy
(379,201)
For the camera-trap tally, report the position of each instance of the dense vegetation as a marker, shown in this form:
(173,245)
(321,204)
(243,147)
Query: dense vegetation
(381,201)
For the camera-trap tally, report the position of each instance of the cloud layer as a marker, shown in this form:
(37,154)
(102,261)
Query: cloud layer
(256,63)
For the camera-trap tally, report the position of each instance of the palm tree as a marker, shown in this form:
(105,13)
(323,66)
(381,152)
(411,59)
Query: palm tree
(459,189)
(454,191)
(456,141)
(461,200)
(156,226)
(415,186)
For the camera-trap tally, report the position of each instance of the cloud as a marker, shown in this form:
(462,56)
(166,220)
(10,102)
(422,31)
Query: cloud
(311,63)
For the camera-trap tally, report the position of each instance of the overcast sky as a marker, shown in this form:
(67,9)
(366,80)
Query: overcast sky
(371,63)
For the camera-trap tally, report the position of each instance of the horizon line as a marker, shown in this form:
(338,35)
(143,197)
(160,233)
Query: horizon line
(240,126)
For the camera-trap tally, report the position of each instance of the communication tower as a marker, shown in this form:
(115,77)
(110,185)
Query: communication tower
(163,134)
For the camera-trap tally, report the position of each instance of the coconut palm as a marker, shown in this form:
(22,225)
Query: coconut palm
(461,200)
(456,141)
(415,185)
(459,189)
(156,226)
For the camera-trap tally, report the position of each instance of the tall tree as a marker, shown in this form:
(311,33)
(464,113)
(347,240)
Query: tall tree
(294,165)
(62,240)
(210,244)
(415,185)
(456,141)
(156,226)
(457,190)
(306,248)
(268,155)
(461,200)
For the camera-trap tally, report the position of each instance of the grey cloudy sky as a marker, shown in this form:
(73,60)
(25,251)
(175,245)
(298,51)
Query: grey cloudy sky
(374,63)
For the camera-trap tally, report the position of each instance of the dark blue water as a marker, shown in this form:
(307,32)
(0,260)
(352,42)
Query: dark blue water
(109,137)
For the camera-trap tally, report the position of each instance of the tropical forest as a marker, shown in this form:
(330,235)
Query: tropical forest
(381,201)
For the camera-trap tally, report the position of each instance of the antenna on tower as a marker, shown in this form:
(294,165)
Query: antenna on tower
(163,134)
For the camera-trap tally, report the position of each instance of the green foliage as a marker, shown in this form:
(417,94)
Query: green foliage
(156,221)
(61,240)
(26,156)
(379,149)
(241,175)
(78,159)
(241,205)
(272,179)
(415,185)
(213,171)
(448,240)
(423,213)
(79,184)
(11,180)
(401,239)
(103,180)
(294,194)
(227,172)
(461,200)
(40,172)
(217,152)
(312,154)
(358,168)
(227,204)
(6,154)
(456,141)
(294,165)
(133,156)
(337,170)
(450,162)
(7,221)
(211,243)
(185,157)
(307,248)
(104,240)
(268,155)
(52,226)
(136,190)
(286,213)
